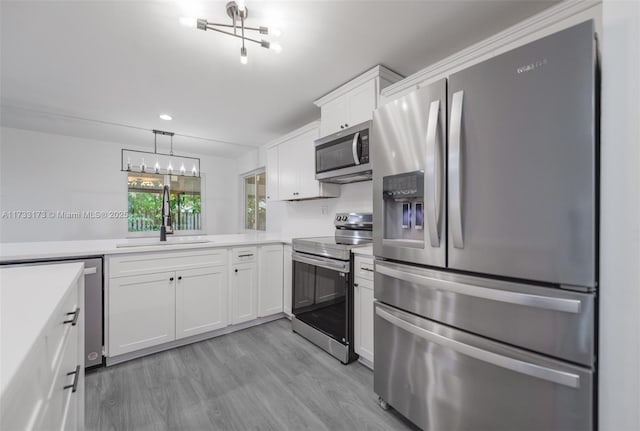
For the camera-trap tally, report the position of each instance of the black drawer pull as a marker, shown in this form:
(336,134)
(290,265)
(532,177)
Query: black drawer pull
(171,279)
(236,270)
(367,269)
(76,377)
(75,314)
(245,255)
(179,277)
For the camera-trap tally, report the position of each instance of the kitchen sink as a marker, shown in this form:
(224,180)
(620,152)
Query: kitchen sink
(150,242)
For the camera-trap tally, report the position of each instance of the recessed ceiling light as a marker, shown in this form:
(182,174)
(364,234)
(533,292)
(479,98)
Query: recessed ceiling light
(165,117)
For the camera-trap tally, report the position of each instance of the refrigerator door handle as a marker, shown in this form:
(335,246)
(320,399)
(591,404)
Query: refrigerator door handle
(516,298)
(537,371)
(455,169)
(354,148)
(432,187)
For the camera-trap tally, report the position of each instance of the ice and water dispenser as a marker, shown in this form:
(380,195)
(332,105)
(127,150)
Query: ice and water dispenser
(403,196)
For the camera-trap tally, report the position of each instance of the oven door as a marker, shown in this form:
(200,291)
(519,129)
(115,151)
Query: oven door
(320,288)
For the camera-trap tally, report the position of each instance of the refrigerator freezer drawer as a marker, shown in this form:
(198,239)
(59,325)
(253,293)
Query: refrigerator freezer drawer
(445,379)
(551,321)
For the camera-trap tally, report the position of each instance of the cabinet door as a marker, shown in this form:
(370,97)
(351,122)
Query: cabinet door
(243,290)
(333,115)
(363,318)
(362,102)
(141,311)
(307,186)
(272,173)
(270,280)
(288,153)
(287,277)
(201,300)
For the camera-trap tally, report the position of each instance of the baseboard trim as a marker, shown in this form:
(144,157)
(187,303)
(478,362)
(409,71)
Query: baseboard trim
(367,363)
(190,340)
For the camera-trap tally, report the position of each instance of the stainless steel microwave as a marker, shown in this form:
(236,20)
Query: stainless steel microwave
(344,156)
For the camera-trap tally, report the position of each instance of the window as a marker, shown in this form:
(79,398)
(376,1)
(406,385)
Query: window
(145,202)
(255,201)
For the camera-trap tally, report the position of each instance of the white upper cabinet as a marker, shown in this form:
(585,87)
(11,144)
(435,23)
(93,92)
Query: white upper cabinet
(272,174)
(355,101)
(295,167)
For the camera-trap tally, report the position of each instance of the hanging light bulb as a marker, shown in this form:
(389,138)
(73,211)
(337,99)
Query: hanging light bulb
(275,32)
(275,47)
(128,163)
(157,166)
(170,168)
(243,55)
(143,166)
(182,170)
(194,171)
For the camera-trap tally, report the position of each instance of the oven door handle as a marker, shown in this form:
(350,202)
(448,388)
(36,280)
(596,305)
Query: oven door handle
(334,265)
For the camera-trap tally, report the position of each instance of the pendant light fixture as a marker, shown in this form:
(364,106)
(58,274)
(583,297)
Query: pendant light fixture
(160,163)
(238,13)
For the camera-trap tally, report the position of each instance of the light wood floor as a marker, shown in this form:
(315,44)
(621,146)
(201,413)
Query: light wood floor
(262,378)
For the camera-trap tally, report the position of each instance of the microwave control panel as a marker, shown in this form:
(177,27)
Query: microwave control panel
(364,147)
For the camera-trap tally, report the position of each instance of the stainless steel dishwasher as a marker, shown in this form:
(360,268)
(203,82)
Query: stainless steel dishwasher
(93,298)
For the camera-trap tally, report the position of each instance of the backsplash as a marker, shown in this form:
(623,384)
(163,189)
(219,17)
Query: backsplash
(315,217)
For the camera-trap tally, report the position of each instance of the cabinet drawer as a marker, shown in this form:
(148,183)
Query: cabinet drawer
(364,267)
(58,333)
(60,395)
(244,254)
(149,263)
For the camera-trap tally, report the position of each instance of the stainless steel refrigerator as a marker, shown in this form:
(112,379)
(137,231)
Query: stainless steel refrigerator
(485,236)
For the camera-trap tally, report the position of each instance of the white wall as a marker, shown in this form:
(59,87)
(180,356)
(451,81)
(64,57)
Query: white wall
(315,217)
(619,357)
(40,171)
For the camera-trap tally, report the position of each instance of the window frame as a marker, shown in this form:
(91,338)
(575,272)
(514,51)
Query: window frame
(243,195)
(150,234)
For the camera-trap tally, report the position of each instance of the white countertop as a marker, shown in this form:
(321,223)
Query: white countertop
(28,297)
(26,251)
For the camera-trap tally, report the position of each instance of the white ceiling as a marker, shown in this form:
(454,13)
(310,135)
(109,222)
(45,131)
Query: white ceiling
(125,62)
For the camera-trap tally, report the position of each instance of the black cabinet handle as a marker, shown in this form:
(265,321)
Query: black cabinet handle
(180,277)
(367,269)
(76,376)
(236,270)
(355,284)
(75,314)
(245,255)
(341,126)
(346,125)
(171,279)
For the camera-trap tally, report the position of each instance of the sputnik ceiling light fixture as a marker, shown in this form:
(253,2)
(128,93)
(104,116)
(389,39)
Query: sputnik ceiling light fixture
(238,13)
(134,160)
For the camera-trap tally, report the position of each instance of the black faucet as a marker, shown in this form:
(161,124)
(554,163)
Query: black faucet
(166,227)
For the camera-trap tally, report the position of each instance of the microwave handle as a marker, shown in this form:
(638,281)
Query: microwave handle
(354,148)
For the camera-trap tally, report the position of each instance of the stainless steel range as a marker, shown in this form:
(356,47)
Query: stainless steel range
(323,285)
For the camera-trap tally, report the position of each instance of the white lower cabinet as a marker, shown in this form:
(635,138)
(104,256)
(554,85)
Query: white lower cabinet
(363,309)
(201,300)
(270,275)
(287,283)
(42,348)
(141,311)
(197,292)
(243,292)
